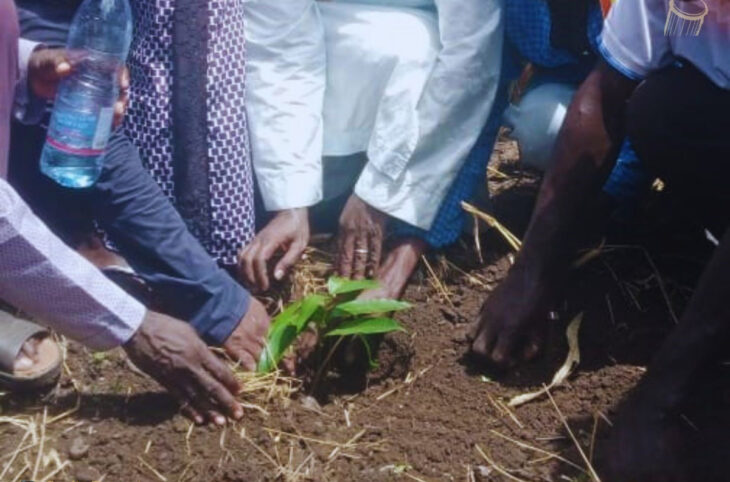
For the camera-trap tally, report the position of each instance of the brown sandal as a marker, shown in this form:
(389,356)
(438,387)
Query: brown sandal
(14,332)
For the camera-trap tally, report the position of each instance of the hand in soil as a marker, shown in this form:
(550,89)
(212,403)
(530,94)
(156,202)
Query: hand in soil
(397,269)
(360,239)
(170,351)
(512,323)
(288,232)
(249,338)
(645,445)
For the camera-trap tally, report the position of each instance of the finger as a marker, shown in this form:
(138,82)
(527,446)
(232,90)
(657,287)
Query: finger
(361,256)
(120,109)
(483,341)
(533,346)
(375,253)
(189,412)
(124,79)
(63,68)
(220,371)
(246,264)
(290,258)
(504,348)
(185,406)
(222,397)
(261,265)
(345,254)
(247,362)
(200,399)
(480,334)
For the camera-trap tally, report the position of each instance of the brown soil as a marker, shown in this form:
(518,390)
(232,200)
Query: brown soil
(421,415)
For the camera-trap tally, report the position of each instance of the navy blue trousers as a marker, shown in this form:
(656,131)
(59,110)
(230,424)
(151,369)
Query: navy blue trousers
(129,206)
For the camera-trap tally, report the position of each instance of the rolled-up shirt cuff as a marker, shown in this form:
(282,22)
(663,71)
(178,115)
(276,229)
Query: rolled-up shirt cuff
(221,315)
(290,190)
(127,309)
(28,108)
(410,202)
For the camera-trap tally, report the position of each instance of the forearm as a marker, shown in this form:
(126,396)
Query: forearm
(51,282)
(586,151)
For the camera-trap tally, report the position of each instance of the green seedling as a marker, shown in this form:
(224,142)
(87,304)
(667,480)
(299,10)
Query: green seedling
(336,314)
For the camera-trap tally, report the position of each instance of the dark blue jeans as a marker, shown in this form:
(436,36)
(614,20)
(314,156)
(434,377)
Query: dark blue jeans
(129,206)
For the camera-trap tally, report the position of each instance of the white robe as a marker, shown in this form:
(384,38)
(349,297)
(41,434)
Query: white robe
(412,87)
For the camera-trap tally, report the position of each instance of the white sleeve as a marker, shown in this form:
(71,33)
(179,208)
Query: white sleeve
(633,40)
(452,112)
(50,281)
(286,71)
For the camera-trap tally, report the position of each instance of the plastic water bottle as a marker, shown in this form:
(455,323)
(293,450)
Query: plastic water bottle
(536,121)
(81,123)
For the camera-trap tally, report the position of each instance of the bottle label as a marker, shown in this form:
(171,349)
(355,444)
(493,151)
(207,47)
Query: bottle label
(80,133)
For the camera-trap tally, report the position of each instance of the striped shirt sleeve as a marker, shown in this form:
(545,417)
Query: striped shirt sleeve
(46,279)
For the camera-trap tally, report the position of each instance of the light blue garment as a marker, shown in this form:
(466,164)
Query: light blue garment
(394,3)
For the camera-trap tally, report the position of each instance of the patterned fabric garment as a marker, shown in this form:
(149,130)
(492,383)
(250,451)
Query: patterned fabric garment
(230,204)
(529,25)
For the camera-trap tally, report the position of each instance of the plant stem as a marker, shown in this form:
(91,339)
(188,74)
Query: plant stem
(324,364)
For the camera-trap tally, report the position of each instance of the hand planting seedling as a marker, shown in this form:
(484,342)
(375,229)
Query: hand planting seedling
(336,314)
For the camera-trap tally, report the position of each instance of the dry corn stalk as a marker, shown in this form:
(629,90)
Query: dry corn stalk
(571,361)
(492,222)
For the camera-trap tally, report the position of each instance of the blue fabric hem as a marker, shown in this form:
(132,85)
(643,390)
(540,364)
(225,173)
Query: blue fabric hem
(614,62)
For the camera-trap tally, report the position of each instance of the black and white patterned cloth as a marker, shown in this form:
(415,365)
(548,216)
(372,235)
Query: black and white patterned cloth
(229,207)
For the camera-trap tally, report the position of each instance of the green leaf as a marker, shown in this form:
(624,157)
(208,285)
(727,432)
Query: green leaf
(309,307)
(369,307)
(287,316)
(365,326)
(340,286)
(280,339)
(285,328)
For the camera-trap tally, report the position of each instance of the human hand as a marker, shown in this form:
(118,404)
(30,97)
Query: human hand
(249,338)
(360,239)
(170,351)
(512,323)
(288,231)
(48,66)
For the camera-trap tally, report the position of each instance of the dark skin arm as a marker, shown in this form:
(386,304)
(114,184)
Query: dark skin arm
(170,351)
(512,322)
(645,442)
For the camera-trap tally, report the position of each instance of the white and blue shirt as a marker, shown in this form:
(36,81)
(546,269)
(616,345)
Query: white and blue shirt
(643,36)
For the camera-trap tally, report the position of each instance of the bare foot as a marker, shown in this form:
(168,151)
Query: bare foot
(399,265)
(249,338)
